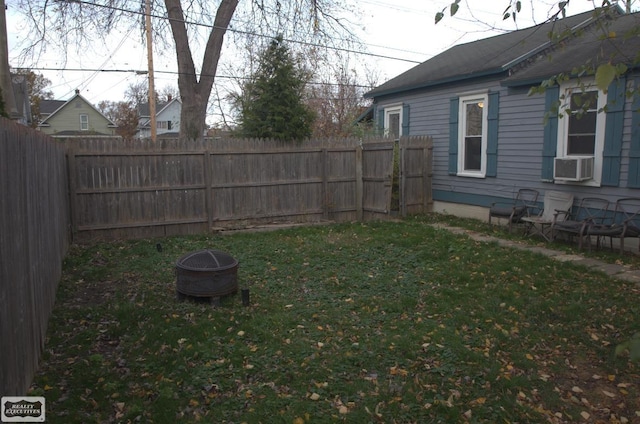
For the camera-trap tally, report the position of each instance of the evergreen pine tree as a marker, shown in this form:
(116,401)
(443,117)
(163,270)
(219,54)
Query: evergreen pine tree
(272,102)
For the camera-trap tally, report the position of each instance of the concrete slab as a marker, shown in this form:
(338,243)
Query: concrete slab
(616,271)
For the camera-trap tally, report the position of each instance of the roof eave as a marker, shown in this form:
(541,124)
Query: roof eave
(429,84)
(540,79)
(364,114)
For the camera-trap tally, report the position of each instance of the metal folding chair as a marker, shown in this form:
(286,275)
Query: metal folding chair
(555,202)
(521,206)
(591,212)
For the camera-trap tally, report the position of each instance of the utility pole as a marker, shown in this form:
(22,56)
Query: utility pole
(152,91)
(6,85)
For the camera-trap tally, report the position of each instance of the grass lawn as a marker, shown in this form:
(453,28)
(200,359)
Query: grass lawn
(394,322)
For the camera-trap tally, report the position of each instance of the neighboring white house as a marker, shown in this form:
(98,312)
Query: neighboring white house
(167,119)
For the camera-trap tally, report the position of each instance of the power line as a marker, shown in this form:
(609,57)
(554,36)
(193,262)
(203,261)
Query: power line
(244,32)
(140,72)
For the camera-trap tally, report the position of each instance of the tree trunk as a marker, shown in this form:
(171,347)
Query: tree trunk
(195,94)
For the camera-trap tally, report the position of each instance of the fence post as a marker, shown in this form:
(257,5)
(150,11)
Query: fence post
(427,172)
(208,189)
(73,198)
(402,145)
(359,184)
(325,184)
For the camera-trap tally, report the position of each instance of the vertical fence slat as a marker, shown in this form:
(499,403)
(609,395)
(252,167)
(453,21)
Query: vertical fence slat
(359,185)
(73,201)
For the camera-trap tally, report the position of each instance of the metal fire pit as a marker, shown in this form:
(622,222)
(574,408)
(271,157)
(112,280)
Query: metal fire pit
(206,273)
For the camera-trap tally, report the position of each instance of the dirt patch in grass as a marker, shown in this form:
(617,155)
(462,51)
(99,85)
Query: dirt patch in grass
(602,396)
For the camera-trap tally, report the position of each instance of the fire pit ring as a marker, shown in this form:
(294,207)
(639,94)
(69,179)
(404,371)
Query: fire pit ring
(206,273)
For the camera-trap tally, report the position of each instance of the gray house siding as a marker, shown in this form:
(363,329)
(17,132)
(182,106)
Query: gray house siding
(521,131)
(523,138)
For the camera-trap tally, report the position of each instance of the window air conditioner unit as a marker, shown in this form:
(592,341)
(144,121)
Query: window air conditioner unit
(573,168)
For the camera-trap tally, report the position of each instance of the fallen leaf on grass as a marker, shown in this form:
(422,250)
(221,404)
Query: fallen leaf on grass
(398,371)
(479,401)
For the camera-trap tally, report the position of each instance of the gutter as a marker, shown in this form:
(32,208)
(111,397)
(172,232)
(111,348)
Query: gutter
(486,73)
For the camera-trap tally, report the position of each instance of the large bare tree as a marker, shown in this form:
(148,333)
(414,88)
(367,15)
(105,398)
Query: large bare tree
(197,26)
(337,98)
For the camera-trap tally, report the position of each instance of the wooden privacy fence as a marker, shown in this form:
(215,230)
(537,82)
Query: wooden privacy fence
(34,238)
(136,189)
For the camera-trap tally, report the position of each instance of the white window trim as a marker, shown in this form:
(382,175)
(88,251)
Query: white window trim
(86,122)
(390,110)
(563,130)
(472,98)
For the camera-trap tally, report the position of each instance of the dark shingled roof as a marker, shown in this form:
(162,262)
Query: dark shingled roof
(144,109)
(590,47)
(47,107)
(509,52)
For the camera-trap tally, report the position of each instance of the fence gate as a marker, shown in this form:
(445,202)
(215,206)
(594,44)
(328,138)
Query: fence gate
(415,166)
(377,179)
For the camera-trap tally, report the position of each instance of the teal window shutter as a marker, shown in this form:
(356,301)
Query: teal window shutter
(453,136)
(381,120)
(634,150)
(613,133)
(405,120)
(492,134)
(550,137)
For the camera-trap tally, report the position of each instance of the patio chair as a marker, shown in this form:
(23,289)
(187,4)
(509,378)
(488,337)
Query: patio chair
(624,224)
(525,201)
(591,212)
(557,204)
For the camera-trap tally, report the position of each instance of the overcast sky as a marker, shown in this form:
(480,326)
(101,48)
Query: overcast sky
(400,34)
